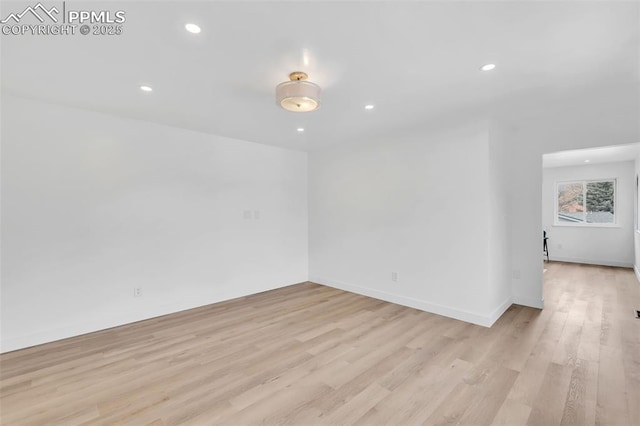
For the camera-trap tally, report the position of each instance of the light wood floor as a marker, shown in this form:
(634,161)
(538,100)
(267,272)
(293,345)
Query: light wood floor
(310,354)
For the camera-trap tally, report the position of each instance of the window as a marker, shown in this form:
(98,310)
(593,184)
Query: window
(586,202)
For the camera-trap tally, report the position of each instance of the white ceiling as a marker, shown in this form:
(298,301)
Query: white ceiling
(581,157)
(416,61)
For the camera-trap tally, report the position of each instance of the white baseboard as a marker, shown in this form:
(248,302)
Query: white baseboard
(592,261)
(635,269)
(497,313)
(485,320)
(97,324)
(527,301)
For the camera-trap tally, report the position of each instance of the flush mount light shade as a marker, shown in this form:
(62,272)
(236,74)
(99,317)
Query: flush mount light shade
(298,95)
(192,28)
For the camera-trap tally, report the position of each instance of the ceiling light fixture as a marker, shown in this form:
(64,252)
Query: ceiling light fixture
(146,88)
(369,106)
(587,161)
(300,129)
(298,94)
(193,28)
(488,67)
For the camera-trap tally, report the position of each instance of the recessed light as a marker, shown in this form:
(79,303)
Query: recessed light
(587,161)
(193,28)
(488,67)
(146,88)
(300,129)
(369,106)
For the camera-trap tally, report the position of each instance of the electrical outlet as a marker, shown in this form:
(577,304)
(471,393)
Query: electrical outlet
(394,277)
(256,214)
(137,291)
(246,214)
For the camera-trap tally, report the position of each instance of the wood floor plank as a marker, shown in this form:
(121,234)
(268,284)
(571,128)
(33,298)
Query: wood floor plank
(529,381)
(309,354)
(612,405)
(512,413)
(548,407)
(575,403)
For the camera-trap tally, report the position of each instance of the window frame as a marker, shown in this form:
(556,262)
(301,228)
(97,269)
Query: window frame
(584,183)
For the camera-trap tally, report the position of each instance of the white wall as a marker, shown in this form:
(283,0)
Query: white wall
(95,205)
(498,249)
(374,206)
(579,117)
(611,246)
(636,225)
(417,206)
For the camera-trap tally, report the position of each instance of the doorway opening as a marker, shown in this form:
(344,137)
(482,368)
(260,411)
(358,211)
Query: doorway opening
(590,206)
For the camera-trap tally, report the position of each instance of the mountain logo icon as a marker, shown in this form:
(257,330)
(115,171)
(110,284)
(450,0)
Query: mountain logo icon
(39,11)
